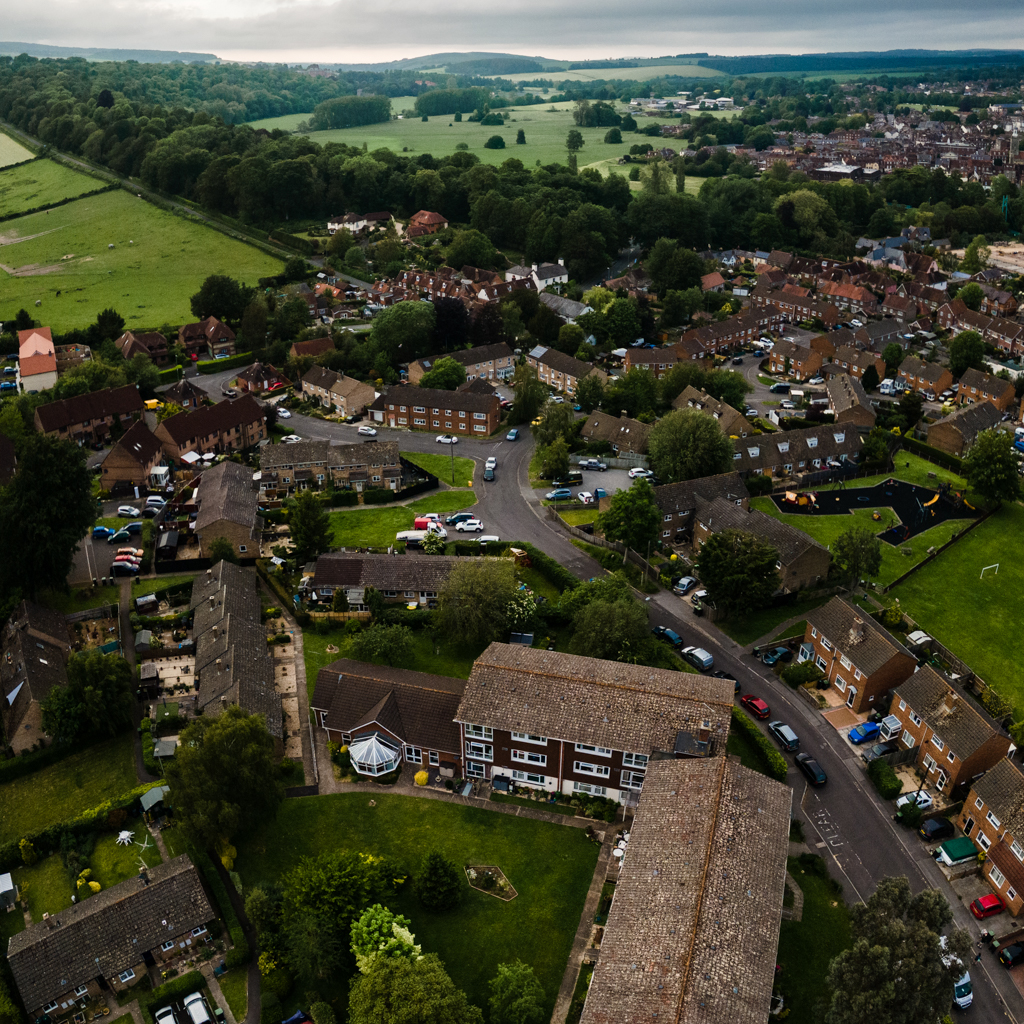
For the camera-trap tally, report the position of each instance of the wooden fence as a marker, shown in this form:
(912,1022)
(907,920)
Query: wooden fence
(651,571)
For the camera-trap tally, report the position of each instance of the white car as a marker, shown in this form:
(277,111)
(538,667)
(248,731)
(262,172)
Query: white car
(165,1016)
(432,516)
(469,526)
(919,797)
(128,512)
(586,497)
(816,380)
(447,439)
(491,538)
(857,323)
(787,404)
(557,399)
(290,439)
(637,472)
(367,431)
(491,463)
(284,414)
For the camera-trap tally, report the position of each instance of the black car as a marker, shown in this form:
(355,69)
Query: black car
(934,829)
(815,773)
(1010,956)
(877,750)
(669,635)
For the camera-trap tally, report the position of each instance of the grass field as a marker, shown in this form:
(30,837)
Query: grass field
(67,788)
(440,464)
(977,619)
(111,863)
(549,865)
(41,182)
(80,599)
(376,526)
(767,620)
(158,262)
(641,74)
(12,152)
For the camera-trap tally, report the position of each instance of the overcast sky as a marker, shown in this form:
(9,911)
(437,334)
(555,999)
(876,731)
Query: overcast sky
(381,30)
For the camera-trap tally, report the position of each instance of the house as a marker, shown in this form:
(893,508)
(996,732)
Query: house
(732,422)
(855,361)
(879,333)
(68,356)
(955,740)
(860,659)
(425,222)
(996,302)
(678,502)
(993,818)
(285,468)
(359,222)
(559,371)
(344,395)
(261,377)
(542,275)
(418,578)
(634,282)
(848,402)
(151,344)
(36,645)
(622,433)
(567,309)
(976,386)
(233,664)
(810,450)
(902,308)
(455,412)
(230,425)
(563,723)
(37,360)
(493,362)
(228,502)
(657,361)
(927,378)
(387,716)
(712,282)
(794,360)
(313,347)
(691,933)
(107,942)
(209,338)
(735,332)
(184,393)
(850,296)
(131,462)
(91,417)
(802,562)
(957,432)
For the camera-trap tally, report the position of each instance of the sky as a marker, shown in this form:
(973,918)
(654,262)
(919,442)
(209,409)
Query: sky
(382,30)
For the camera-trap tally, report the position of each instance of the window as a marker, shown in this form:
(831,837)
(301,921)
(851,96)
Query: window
(666,533)
(126,975)
(414,755)
(668,518)
(814,632)
(631,780)
(826,644)
(1011,894)
(996,877)
(530,757)
(592,769)
(588,787)
(479,415)
(1018,850)
(420,422)
(447,412)
(480,428)
(479,732)
(938,744)
(841,683)
(448,424)
(528,737)
(49,1007)
(433,758)
(983,841)
(908,738)
(82,990)
(474,770)
(635,761)
(844,661)
(903,705)
(992,819)
(586,748)
(483,750)
(168,946)
(418,408)
(978,803)
(437,423)
(914,718)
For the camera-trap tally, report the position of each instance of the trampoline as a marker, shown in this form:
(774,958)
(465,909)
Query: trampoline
(917,508)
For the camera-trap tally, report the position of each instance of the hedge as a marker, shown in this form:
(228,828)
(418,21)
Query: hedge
(274,582)
(378,496)
(886,780)
(216,365)
(302,245)
(241,954)
(774,761)
(554,572)
(170,992)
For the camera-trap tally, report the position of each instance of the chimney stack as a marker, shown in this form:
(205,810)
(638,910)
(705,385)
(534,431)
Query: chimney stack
(213,602)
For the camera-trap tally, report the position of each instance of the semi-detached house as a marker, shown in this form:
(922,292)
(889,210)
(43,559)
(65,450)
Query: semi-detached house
(228,426)
(492,362)
(344,395)
(285,468)
(927,378)
(418,578)
(559,371)
(449,412)
(976,386)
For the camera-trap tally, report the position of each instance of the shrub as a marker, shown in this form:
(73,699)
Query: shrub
(270,1008)
(801,672)
(775,763)
(910,815)
(378,496)
(439,885)
(343,499)
(758,484)
(421,778)
(884,779)
(495,142)
(554,572)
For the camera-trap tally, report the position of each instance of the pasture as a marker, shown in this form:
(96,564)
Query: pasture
(63,260)
(641,74)
(12,152)
(40,183)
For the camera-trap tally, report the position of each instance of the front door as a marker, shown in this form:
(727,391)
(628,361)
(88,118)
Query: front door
(969,827)
(851,697)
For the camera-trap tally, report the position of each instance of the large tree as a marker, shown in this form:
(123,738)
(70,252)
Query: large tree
(895,971)
(858,552)
(590,392)
(451,326)
(687,444)
(966,351)
(672,267)
(613,631)
(310,526)
(403,332)
(474,601)
(447,374)
(48,506)
(635,393)
(632,517)
(516,995)
(992,467)
(223,777)
(379,642)
(971,295)
(530,394)
(738,571)
(976,256)
(378,933)
(403,991)
(222,297)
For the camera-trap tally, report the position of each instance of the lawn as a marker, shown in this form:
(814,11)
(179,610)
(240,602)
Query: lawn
(644,73)
(910,467)
(12,152)
(80,599)
(234,986)
(579,516)
(111,863)
(158,262)
(67,788)
(40,183)
(46,886)
(375,526)
(807,947)
(766,620)
(977,619)
(164,583)
(549,865)
(441,466)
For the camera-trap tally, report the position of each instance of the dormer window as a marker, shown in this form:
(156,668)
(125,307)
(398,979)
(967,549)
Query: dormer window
(812,442)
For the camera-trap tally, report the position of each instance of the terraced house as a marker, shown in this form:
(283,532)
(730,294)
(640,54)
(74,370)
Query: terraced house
(418,578)
(285,468)
(796,453)
(344,395)
(559,371)
(677,503)
(228,426)
(88,418)
(492,362)
(434,409)
(796,360)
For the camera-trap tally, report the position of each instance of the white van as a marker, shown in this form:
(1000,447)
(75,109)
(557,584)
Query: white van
(887,386)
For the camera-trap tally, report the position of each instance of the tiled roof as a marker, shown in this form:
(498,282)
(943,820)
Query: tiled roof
(182,390)
(914,367)
(36,645)
(691,935)
(854,357)
(439,398)
(320,376)
(226,492)
(312,347)
(323,453)
(385,572)
(985,382)
(729,419)
(95,405)
(791,447)
(568,309)
(480,354)
(419,708)
(606,703)
(213,419)
(139,443)
(1002,788)
(626,434)
(854,633)
(947,711)
(971,420)
(108,932)
(720,514)
(682,497)
(846,392)
(569,365)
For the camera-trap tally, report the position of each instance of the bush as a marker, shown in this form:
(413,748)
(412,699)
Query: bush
(495,142)
(911,816)
(231,363)
(554,572)
(758,484)
(378,496)
(884,779)
(343,499)
(241,954)
(800,673)
(270,1008)
(439,885)
(775,763)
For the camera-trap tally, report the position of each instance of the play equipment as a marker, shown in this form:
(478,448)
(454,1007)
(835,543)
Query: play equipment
(986,569)
(801,498)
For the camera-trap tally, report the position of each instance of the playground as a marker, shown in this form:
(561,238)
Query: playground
(900,510)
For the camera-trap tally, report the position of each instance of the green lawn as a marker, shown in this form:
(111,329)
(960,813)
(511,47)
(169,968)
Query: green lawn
(111,863)
(806,947)
(977,619)
(40,183)
(160,585)
(12,152)
(10,924)
(80,599)
(375,526)
(45,886)
(158,262)
(441,466)
(909,467)
(234,986)
(748,629)
(549,865)
(579,516)
(67,788)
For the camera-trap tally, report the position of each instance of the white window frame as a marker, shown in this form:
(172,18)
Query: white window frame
(530,757)
(126,976)
(479,732)
(475,771)
(434,758)
(414,755)
(484,751)
(938,744)
(983,841)
(908,738)
(978,802)
(631,780)
(50,1007)
(996,877)
(82,990)
(166,947)
(589,787)
(530,778)
(527,737)
(585,768)
(589,748)
(635,761)
(992,820)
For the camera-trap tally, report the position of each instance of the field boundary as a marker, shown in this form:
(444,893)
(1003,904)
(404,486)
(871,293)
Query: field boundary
(58,203)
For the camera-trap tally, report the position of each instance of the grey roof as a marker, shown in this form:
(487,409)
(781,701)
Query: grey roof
(970,420)
(720,514)
(153,796)
(108,932)
(310,454)
(226,492)
(683,497)
(320,377)
(986,382)
(691,935)
(566,364)
(1002,788)
(798,448)
(914,367)
(568,309)
(139,443)
(846,392)
(729,419)
(586,700)
(854,633)
(94,405)
(547,271)
(480,354)
(385,572)
(620,432)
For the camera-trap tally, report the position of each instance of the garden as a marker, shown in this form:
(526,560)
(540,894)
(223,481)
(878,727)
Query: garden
(441,467)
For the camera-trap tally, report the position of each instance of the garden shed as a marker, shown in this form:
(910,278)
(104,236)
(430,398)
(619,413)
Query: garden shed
(8,892)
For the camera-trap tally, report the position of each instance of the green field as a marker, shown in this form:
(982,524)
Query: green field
(440,464)
(40,183)
(641,74)
(158,262)
(977,619)
(549,865)
(12,152)
(376,526)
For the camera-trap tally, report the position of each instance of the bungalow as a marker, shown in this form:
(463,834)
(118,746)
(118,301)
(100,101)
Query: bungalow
(132,461)
(185,393)
(209,337)
(418,578)
(732,422)
(976,386)
(957,433)
(927,378)
(559,371)
(91,417)
(622,433)
(848,402)
(359,222)
(450,412)
(261,377)
(566,309)
(879,333)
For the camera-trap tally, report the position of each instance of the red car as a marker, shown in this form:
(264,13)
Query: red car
(986,906)
(755,705)
(276,385)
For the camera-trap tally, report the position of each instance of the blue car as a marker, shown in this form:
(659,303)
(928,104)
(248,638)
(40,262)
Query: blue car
(512,435)
(664,633)
(101,532)
(864,733)
(8,385)
(777,654)
(559,494)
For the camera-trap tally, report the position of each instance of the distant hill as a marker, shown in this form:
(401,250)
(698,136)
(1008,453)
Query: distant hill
(98,53)
(444,60)
(864,60)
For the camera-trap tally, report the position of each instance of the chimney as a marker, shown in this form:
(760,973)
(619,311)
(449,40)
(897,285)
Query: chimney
(624,414)
(561,261)
(533,266)
(218,664)
(213,602)
(857,631)
(214,630)
(223,697)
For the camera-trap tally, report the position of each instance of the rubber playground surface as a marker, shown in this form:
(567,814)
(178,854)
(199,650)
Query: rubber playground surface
(914,509)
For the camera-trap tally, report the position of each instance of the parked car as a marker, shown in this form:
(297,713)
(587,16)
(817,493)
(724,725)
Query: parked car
(290,439)
(165,1016)
(586,497)
(599,493)
(684,585)
(557,399)
(719,674)
(593,464)
(447,439)
(1010,956)
(512,435)
(877,750)
(787,404)
(102,532)
(491,463)
(195,1007)
(777,654)
(987,906)
(8,385)
(784,735)
(366,431)
(919,797)
(934,829)
(284,414)
(815,773)
(459,517)
(779,388)
(816,380)
(669,635)
(698,658)
(137,552)
(698,596)
(229,392)
(124,569)
(152,511)
(638,471)
(135,527)
(750,413)
(470,526)
(736,360)
(559,494)
(755,705)
(863,733)
(127,511)
(488,474)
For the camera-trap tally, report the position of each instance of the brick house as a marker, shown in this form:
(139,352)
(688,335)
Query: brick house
(855,361)
(851,297)
(795,360)
(425,222)
(859,658)
(622,433)
(285,468)
(957,432)
(732,333)
(796,452)
(678,502)
(416,578)
(208,338)
(976,386)
(261,377)
(996,302)
(107,942)
(493,362)
(732,422)
(802,560)
(902,308)
(927,378)
(448,412)
(848,402)
(713,282)
(344,395)
(993,818)
(185,393)
(91,417)
(130,463)
(146,343)
(657,361)
(231,425)
(559,371)
(229,508)
(955,740)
